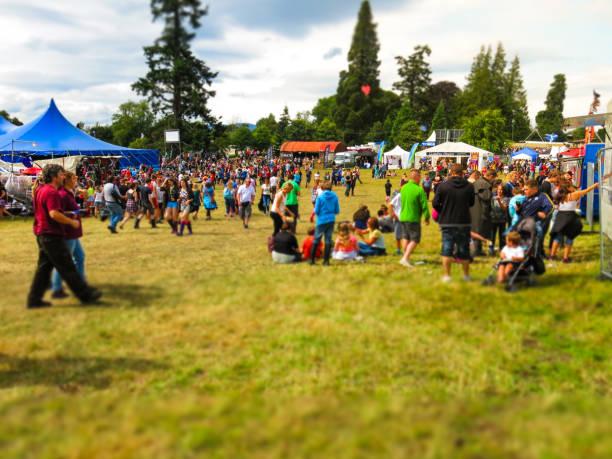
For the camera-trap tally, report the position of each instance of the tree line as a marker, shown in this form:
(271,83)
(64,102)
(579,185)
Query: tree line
(491,108)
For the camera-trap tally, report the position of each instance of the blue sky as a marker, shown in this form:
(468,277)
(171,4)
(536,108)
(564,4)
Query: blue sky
(272,53)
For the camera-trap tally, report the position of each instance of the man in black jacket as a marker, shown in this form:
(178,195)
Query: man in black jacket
(453,200)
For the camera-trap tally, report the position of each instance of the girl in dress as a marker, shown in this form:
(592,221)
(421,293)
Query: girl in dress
(131,204)
(209,199)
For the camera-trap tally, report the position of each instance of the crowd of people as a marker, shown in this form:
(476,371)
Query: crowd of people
(473,210)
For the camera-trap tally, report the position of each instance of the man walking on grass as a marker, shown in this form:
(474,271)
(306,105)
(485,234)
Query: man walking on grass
(246,197)
(49,222)
(452,201)
(413,208)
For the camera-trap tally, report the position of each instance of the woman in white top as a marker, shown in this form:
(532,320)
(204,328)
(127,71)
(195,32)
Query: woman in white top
(279,207)
(567,222)
(265,196)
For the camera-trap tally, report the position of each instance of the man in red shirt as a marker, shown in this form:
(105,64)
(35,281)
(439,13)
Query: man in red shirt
(49,221)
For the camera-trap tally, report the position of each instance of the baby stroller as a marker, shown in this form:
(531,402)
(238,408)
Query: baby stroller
(524,271)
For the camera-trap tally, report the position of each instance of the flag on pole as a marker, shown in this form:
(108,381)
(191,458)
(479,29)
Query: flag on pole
(412,152)
(380,150)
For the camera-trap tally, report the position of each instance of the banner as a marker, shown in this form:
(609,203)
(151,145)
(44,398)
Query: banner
(412,153)
(380,151)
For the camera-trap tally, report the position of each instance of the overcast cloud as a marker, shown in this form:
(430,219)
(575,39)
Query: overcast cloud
(273,53)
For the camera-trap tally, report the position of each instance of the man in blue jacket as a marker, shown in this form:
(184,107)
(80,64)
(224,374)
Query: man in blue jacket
(326,209)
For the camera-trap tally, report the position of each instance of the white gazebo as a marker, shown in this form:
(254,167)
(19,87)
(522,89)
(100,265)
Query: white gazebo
(460,152)
(397,158)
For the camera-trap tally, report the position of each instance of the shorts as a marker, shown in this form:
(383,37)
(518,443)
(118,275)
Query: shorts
(99,203)
(456,237)
(398,230)
(411,231)
(245,210)
(172,205)
(146,205)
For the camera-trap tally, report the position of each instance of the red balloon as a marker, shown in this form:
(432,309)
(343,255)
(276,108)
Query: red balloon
(366,89)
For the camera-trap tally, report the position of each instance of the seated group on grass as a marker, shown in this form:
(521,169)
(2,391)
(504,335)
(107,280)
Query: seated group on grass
(285,249)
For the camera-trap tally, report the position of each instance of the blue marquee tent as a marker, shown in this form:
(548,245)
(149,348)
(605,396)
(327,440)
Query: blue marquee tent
(55,136)
(5,126)
(525,151)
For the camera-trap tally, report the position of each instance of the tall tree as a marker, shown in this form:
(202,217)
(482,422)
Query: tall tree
(415,74)
(283,124)
(445,92)
(439,120)
(356,110)
(405,130)
(134,120)
(550,120)
(486,130)
(517,120)
(177,80)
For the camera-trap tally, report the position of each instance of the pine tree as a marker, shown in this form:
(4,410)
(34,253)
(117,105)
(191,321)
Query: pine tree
(550,120)
(354,112)
(176,81)
(416,80)
(517,123)
(283,124)
(405,130)
(439,120)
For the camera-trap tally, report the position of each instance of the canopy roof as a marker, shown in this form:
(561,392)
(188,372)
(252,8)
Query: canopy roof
(525,153)
(397,151)
(55,135)
(5,126)
(312,147)
(454,148)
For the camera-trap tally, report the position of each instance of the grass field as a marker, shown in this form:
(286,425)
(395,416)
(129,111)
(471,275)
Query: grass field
(203,347)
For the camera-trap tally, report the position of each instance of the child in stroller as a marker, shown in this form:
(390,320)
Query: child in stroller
(511,256)
(532,263)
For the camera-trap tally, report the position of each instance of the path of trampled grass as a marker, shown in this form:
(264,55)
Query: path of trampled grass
(203,346)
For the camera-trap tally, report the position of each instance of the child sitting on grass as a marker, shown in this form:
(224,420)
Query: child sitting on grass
(511,253)
(307,245)
(347,246)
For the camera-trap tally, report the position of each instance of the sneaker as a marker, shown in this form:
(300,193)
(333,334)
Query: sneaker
(59,294)
(406,263)
(467,278)
(446,279)
(112,230)
(40,304)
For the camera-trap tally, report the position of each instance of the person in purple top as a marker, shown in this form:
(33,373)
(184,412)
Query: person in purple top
(72,235)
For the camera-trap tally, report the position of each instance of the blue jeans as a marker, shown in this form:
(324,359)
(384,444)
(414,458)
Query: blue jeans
(78,256)
(326,229)
(266,202)
(228,205)
(116,213)
(366,250)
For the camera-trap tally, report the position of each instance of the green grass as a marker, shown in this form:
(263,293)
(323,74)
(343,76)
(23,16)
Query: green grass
(203,347)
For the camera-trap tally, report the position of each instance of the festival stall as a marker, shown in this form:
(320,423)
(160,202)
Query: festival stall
(321,153)
(526,154)
(51,136)
(398,158)
(460,152)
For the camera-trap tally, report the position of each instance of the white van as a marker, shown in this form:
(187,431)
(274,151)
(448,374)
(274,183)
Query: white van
(344,159)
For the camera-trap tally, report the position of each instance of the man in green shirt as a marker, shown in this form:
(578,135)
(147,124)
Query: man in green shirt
(414,207)
(292,200)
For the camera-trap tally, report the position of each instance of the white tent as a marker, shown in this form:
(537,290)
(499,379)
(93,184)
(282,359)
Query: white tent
(459,151)
(522,156)
(397,158)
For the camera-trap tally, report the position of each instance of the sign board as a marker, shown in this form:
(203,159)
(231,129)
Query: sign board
(172,136)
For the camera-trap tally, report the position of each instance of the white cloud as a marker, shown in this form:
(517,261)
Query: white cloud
(87,54)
